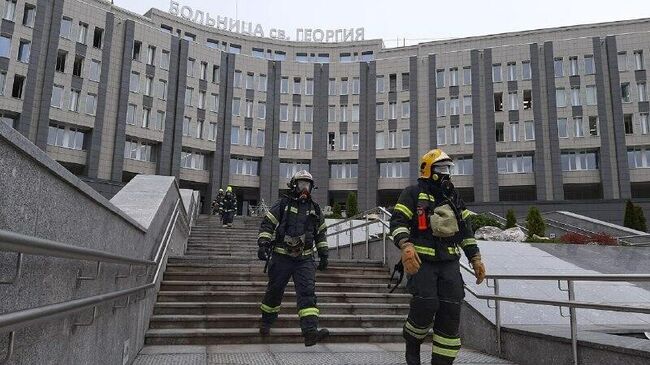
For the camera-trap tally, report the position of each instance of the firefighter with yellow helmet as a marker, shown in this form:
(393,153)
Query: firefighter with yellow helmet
(428,226)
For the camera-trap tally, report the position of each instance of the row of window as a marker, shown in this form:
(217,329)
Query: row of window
(139,150)
(147,120)
(24,49)
(94,69)
(66,137)
(58,96)
(148,89)
(193,160)
(246,139)
(81,33)
(152,55)
(196,129)
(638,157)
(29,13)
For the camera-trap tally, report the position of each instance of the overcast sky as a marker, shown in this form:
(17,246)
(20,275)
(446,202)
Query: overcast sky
(414,20)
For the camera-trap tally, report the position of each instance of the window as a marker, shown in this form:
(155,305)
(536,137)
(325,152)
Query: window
(65,137)
(17,89)
(406,138)
(579,160)
(164,60)
(201,100)
(344,170)
(394,169)
(344,86)
(529,130)
(500,133)
(159,124)
(261,110)
(406,109)
(526,72)
(284,85)
(234,135)
(309,113)
(3,81)
(137,150)
(591,95)
(331,140)
(512,71)
(528,99)
(237,80)
(95,70)
(343,141)
(467,75)
(628,122)
(573,66)
(575,96)
(279,56)
(151,55)
(453,77)
(355,112)
(558,67)
(148,85)
(441,134)
(130,114)
(187,121)
(162,89)
(392,140)
(188,96)
(593,126)
(513,100)
(5,46)
(379,140)
(638,158)
(498,102)
(91,104)
(562,128)
(440,79)
(496,73)
(261,83)
(57,96)
(74,100)
(77,67)
(309,87)
(249,108)
(560,97)
(643,93)
(190,68)
(98,36)
(515,164)
(625,92)
(308,141)
(638,60)
(29,15)
(66,28)
(514,131)
(453,106)
(10,10)
(146,114)
(578,127)
(441,107)
(83,33)
(283,140)
(203,71)
(344,113)
(24,50)
(453,138)
(214,103)
(297,86)
(236,104)
(192,160)
(645,127)
(379,111)
(392,110)
(463,166)
(258,53)
(331,86)
(622,61)
(284,112)
(135,55)
(331,113)
(356,86)
(248,137)
(259,138)
(590,66)
(468,130)
(355,140)
(250,81)
(60,60)
(380,84)
(288,169)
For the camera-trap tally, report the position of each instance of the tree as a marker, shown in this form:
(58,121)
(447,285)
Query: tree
(534,223)
(629,219)
(336,211)
(641,224)
(351,204)
(511,220)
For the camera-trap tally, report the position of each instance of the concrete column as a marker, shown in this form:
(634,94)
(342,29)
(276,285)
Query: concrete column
(179,108)
(538,106)
(554,140)
(319,163)
(367,181)
(414,153)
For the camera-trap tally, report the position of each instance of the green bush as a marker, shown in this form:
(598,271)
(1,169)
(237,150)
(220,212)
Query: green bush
(352,207)
(534,223)
(641,224)
(634,217)
(511,220)
(336,211)
(481,220)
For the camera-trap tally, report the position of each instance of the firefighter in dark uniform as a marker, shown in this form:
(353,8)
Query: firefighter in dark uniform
(228,207)
(292,229)
(217,203)
(428,226)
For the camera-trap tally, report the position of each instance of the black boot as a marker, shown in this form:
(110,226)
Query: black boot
(313,337)
(413,353)
(265,330)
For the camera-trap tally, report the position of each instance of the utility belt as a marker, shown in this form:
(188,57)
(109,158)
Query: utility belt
(294,247)
(440,253)
(302,253)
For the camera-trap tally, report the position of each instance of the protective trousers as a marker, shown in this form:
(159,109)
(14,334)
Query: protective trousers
(227,217)
(437,290)
(303,271)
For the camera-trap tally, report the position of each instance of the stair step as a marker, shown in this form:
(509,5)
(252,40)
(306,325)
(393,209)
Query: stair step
(174,274)
(210,336)
(244,286)
(257,295)
(284,321)
(214,308)
(208,266)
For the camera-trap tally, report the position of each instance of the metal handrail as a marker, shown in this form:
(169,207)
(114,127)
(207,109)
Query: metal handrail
(351,229)
(500,218)
(10,322)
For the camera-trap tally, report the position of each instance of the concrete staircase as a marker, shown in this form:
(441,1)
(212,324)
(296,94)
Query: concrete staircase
(212,294)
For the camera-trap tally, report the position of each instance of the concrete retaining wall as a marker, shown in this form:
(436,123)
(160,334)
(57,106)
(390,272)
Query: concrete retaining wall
(38,197)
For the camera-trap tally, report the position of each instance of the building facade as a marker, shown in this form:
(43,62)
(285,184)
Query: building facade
(546,115)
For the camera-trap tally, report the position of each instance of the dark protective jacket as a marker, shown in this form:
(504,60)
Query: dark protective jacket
(229,202)
(289,218)
(427,195)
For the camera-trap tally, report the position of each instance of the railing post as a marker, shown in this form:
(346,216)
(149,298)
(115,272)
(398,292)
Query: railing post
(574,324)
(367,239)
(497,315)
(338,253)
(351,240)
(383,234)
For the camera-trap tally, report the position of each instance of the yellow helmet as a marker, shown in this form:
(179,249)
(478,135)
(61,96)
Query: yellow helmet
(229,188)
(436,157)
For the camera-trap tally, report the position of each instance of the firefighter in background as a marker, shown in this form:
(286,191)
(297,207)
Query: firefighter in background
(292,229)
(428,226)
(217,203)
(228,207)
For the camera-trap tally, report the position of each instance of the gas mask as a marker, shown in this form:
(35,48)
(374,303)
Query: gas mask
(441,173)
(303,189)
